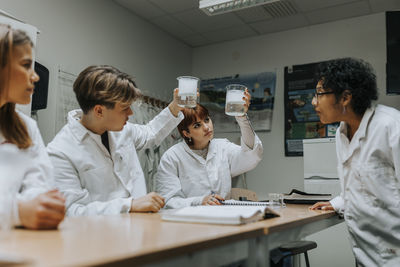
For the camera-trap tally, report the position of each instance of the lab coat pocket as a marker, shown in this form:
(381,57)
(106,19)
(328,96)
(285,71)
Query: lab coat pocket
(124,164)
(124,155)
(390,254)
(98,181)
(193,184)
(380,186)
(224,170)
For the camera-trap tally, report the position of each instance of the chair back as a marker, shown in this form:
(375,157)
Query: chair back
(236,193)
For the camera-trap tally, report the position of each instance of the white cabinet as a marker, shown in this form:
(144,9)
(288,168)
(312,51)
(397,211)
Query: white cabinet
(320,176)
(320,166)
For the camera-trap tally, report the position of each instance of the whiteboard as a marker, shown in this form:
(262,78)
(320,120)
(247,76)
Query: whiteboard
(66,100)
(31,31)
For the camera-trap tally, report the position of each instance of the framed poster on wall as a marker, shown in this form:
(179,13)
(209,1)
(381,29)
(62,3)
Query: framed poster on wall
(262,89)
(393,53)
(301,120)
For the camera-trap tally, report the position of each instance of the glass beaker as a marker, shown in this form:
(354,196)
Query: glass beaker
(187,91)
(276,200)
(234,105)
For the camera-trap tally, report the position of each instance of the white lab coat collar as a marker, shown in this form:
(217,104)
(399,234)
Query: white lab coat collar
(81,131)
(78,130)
(349,148)
(211,151)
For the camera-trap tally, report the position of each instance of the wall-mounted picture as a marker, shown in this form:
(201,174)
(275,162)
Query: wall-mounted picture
(301,120)
(262,89)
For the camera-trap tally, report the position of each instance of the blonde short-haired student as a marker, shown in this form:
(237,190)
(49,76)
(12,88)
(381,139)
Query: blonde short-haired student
(94,154)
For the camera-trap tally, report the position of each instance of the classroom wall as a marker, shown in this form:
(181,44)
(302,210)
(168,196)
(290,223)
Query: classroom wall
(362,37)
(75,34)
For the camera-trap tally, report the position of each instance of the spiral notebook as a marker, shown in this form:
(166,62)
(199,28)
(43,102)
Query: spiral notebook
(219,214)
(232,202)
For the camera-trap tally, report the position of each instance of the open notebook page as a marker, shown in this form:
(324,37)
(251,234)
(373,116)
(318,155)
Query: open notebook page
(218,214)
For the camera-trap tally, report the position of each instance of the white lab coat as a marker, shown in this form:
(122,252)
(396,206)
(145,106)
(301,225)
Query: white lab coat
(369,171)
(24,173)
(92,180)
(184,178)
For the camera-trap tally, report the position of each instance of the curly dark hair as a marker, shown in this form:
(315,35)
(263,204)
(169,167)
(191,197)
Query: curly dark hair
(351,74)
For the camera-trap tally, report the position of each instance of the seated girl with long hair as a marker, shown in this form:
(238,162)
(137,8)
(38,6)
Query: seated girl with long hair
(25,167)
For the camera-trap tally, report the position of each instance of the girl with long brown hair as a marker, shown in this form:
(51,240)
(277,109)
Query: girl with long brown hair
(25,167)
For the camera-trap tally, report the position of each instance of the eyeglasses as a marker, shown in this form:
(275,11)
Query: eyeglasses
(317,94)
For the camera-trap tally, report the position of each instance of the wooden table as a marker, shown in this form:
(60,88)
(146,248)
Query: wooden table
(137,239)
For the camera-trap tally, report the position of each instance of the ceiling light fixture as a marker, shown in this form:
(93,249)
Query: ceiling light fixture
(215,7)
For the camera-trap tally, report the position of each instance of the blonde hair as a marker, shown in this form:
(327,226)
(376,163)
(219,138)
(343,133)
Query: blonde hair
(12,126)
(104,85)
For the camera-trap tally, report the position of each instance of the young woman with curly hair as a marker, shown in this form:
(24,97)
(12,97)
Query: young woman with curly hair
(368,152)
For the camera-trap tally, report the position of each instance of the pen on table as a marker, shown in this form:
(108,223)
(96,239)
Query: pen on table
(213,194)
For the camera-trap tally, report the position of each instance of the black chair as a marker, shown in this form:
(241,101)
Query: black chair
(298,247)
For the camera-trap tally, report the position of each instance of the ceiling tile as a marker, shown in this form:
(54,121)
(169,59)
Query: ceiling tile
(173,6)
(253,14)
(200,22)
(183,20)
(172,26)
(142,8)
(196,40)
(281,9)
(281,24)
(236,32)
(309,5)
(339,12)
(384,5)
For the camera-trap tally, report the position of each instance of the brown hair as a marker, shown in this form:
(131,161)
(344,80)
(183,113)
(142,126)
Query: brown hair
(104,85)
(191,116)
(12,126)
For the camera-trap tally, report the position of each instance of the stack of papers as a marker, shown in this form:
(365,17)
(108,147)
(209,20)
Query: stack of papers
(232,215)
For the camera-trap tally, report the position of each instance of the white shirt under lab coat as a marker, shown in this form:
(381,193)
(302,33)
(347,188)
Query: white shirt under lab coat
(92,180)
(184,178)
(24,173)
(369,171)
